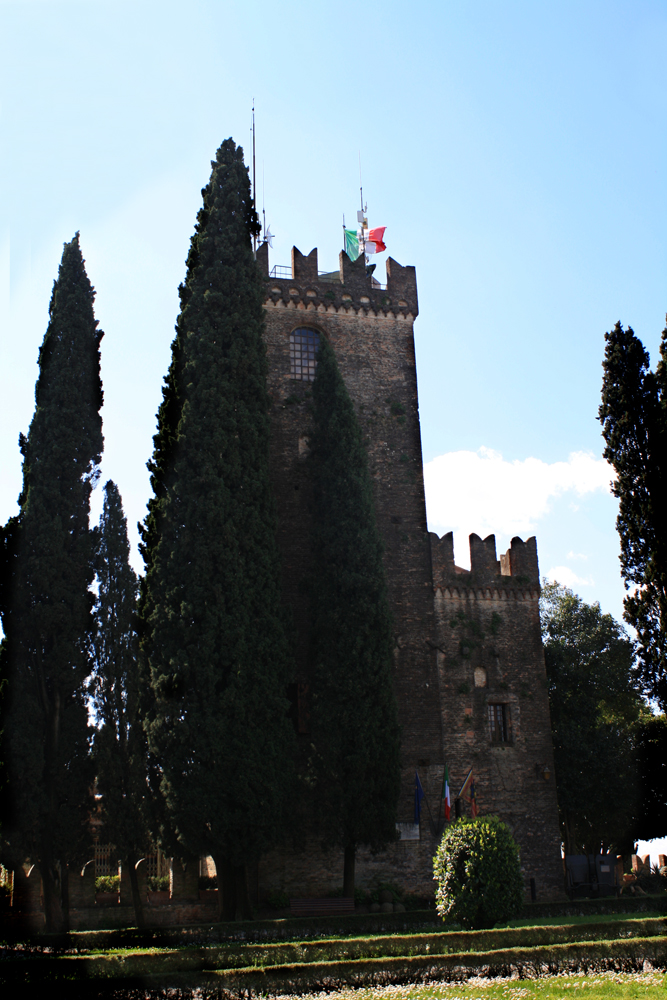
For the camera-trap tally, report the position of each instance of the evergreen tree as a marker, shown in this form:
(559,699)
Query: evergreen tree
(595,711)
(47,601)
(212,631)
(651,750)
(356,738)
(634,425)
(119,749)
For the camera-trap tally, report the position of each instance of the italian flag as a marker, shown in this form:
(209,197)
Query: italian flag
(375,240)
(445,795)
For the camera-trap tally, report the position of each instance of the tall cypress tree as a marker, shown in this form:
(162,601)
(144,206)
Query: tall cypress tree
(356,735)
(119,748)
(212,627)
(634,425)
(47,608)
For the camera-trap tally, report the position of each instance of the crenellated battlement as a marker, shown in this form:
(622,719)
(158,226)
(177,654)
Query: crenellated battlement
(350,288)
(518,567)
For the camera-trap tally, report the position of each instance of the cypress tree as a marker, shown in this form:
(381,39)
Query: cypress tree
(47,603)
(634,425)
(356,737)
(119,749)
(212,631)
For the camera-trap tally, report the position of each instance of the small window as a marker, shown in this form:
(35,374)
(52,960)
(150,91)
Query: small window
(500,723)
(303,344)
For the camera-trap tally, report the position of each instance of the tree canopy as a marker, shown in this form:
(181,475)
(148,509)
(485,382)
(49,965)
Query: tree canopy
(595,706)
(119,749)
(634,425)
(212,633)
(46,599)
(356,737)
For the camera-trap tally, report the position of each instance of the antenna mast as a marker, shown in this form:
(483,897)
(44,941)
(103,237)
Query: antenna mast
(254,184)
(361,216)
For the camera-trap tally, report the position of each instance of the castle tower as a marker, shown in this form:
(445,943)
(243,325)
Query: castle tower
(370,327)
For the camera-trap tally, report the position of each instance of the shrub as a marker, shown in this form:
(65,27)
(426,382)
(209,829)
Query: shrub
(478,873)
(159,883)
(107,883)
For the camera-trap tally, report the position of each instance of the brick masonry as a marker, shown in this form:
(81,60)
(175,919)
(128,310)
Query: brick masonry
(495,606)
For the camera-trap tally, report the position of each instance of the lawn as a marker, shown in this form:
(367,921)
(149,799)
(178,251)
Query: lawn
(602,986)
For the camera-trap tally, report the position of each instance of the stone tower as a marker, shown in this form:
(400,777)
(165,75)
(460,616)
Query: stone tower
(370,327)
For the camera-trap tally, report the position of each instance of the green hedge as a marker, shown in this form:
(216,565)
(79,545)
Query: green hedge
(478,872)
(182,969)
(316,953)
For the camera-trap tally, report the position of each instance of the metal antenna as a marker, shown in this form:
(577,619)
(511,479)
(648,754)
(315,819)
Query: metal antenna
(361,195)
(361,190)
(263,204)
(254,186)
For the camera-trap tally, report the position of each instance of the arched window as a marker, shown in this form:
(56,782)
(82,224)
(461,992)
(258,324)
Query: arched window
(303,344)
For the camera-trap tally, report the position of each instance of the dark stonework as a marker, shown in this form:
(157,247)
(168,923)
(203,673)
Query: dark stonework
(495,705)
(371,330)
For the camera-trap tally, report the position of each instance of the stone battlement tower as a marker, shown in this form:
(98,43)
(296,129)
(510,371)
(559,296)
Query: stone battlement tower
(452,628)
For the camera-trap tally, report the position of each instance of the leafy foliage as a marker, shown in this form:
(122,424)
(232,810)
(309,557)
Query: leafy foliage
(478,872)
(119,748)
(160,883)
(212,636)
(634,425)
(46,601)
(650,740)
(356,736)
(107,883)
(595,707)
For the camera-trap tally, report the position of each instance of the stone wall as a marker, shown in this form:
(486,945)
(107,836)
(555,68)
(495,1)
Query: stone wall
(494,607)
(495,706)
(371,331)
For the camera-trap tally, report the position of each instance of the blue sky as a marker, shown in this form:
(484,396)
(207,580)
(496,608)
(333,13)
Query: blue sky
(515,151)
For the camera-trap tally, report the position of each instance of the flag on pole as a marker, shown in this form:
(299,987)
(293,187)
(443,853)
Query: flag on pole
(351,243)
(419,795)
(375,240)
(473,800)
(465,787)
(445,795)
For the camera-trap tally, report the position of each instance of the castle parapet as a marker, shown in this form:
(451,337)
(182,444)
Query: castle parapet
(304,268)
(351,287)
(517,566)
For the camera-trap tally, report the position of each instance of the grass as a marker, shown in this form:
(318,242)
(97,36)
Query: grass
(442,963)
(650,985)
(581,918)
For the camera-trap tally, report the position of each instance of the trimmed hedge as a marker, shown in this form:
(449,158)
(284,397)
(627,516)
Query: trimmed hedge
(625,954)
(316,953)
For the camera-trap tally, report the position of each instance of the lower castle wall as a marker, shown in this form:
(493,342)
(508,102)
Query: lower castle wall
(490,653)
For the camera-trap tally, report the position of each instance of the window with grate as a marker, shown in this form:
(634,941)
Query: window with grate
(303,344)
(500,723)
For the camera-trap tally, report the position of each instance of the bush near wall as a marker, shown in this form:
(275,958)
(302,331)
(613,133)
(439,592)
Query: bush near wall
(478,873)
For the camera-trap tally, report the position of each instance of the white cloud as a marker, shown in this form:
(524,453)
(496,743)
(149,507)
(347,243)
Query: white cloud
(480,491)
(567,576)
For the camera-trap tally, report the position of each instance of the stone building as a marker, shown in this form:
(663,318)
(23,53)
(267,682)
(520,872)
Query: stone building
(469,673)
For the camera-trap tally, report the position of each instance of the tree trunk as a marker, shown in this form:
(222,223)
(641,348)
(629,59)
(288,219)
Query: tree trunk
(348,871)
(137,901)
(243,907)
(53,912)
(226,888)
(64,895)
